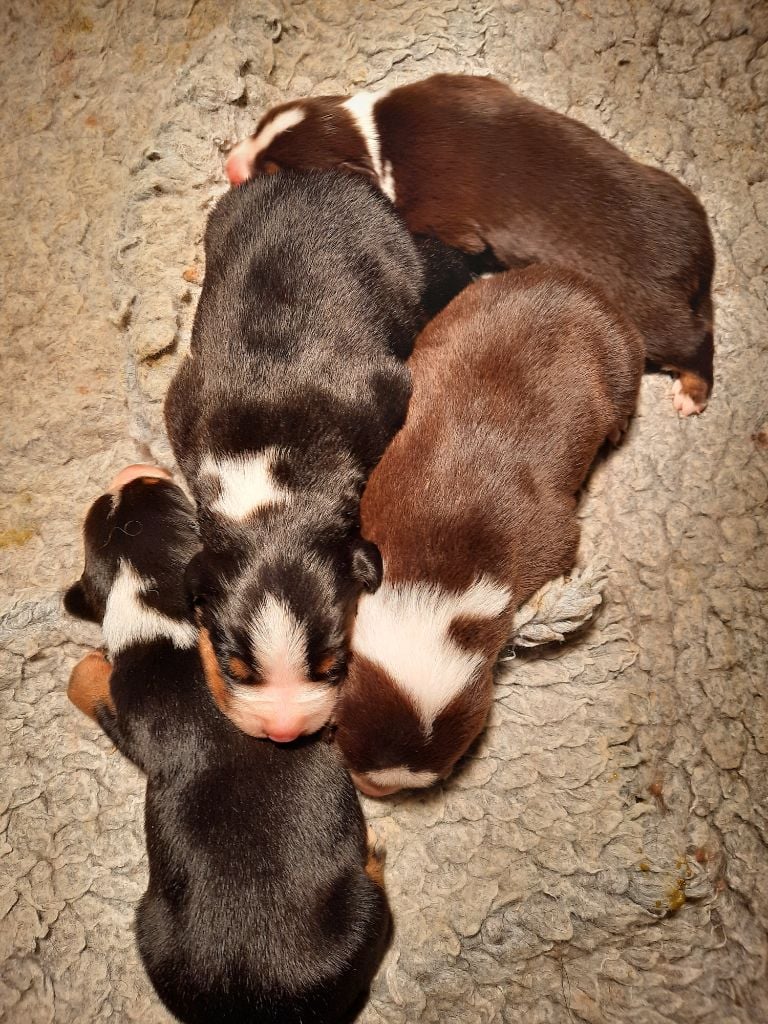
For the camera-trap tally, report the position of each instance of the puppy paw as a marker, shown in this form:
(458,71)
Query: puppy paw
(685,403)
(89,684)
(374,866)
(616,436)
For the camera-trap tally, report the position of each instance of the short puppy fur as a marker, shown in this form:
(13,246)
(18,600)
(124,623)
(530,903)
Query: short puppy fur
(264,902)
(471,162)
(517,384)
(294,386)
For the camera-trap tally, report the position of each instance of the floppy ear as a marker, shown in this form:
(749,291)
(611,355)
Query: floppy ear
(367,566)
(77,603)
(197,580)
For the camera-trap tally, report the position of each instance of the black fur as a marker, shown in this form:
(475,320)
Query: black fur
(258,908)
(311,301)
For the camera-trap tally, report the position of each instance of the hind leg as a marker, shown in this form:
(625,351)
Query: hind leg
(681,341)
(692,388)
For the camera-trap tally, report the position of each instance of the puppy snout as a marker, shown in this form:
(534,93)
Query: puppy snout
(367,788)
(285,733)
(135,472)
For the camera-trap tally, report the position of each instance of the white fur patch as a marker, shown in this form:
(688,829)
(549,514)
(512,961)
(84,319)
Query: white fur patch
(403,778)
(388,180)
(405,629)
(127,621)
(361,107)
(246,482)
(284,121)
(278,639)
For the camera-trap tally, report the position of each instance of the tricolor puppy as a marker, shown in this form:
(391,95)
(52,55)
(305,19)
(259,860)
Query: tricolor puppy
(517,384)
(294,386)
(264,902)
(469,161)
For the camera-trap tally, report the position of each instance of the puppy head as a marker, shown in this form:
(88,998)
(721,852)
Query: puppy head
(274,634)
(420,680)
(390,742)
(141,533)
(304,135)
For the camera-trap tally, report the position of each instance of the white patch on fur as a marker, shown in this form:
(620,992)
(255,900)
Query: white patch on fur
(284,121)
(403,778)
(278,639)
(683,403)
(405,629)
(246,482)
(388,180)
(361,107)
(128,621)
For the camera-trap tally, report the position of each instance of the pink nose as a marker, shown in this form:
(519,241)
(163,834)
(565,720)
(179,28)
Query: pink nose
(285,735)
(237,167)
(125,476)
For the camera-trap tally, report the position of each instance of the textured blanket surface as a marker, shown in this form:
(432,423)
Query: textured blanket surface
(602,855)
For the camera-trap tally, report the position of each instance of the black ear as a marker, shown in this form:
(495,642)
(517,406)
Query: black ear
(196,580)
(77,603)
(367,566)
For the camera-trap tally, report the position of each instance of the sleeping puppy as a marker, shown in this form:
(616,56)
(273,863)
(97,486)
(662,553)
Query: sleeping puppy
(517,384)
(294,386)
(469,161)
(264,902)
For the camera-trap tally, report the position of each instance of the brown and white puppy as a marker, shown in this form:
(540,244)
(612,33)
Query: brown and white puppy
(469,161)
(265,902)
(517,384)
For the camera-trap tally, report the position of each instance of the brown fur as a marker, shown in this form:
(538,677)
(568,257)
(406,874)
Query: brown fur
(477,165)
(214,677)
(88,687)
(517,384)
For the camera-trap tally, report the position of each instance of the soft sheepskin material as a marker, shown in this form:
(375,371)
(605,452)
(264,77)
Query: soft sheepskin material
(602,855)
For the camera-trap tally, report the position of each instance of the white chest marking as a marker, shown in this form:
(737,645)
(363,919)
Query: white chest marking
(128,621)
(284,121)
(405,630)
(361,107)
(247,483)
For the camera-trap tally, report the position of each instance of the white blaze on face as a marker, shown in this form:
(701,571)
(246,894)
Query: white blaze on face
(285,704)
(128,621)
(247,483)
(361,107)
(239,165)
(405,629)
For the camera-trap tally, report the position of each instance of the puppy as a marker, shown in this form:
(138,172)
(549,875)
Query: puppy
(264,903)
(469,161)
(294,386)
(517,383)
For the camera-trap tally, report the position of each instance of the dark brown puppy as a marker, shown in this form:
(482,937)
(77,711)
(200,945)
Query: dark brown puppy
(469,161)
(265,903)
(517,383)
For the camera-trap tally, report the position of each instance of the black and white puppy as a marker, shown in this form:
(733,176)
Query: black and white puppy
(265,903)
(294,386)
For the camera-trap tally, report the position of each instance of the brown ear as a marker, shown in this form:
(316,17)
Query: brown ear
(88,687)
